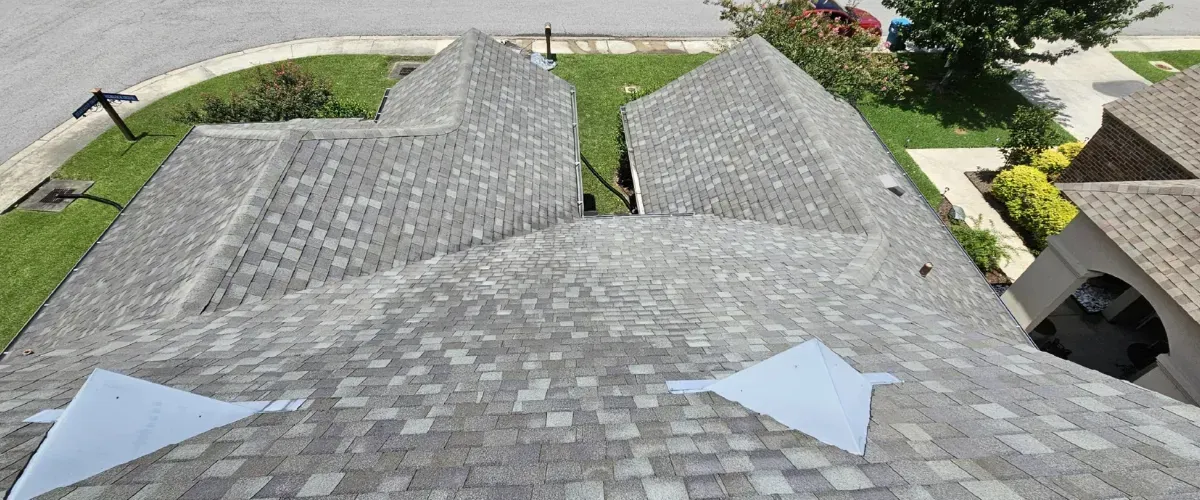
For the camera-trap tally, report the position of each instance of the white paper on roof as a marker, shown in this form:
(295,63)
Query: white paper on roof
(112,420)
(808,388)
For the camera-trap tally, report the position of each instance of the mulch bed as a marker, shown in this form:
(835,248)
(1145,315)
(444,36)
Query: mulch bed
(982,180)
(995,276)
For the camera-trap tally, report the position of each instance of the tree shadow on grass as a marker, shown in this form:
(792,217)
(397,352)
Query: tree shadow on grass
(977,104)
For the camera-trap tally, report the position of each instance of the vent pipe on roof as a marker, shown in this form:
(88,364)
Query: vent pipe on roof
(926,269)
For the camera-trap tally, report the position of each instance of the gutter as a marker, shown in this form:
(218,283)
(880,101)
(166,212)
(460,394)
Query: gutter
(578,154)
(637,184)
(945,229)
(75,268)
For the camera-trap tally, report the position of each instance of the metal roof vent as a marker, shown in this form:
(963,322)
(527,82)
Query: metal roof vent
(50,197)
(891,184)
(808,388)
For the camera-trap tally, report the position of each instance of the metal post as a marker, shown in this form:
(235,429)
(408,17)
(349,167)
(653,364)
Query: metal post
(549,56)
(112,113)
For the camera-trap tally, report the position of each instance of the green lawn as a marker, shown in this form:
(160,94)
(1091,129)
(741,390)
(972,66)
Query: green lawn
(969,116)
(38,249)
(599,81)
(1140,62)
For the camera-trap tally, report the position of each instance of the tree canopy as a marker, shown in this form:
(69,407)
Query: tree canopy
(976,34)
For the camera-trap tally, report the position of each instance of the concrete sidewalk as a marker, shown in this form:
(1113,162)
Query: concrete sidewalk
(1078,86)
(947,169)
(27,169)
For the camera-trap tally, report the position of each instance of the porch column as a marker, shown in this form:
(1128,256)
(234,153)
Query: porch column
(1052,277)
(1118,305)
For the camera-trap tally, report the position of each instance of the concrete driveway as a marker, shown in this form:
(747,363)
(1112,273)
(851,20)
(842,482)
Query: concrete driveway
(54,51)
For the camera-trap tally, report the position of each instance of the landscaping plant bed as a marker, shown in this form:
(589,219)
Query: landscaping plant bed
(982,180)
(994,276)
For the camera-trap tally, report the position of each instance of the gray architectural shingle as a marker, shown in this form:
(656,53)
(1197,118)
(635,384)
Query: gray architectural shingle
(534,366)
(537,364)
(749,135)
(475,146)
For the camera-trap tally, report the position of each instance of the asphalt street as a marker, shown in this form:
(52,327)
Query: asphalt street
(53,51)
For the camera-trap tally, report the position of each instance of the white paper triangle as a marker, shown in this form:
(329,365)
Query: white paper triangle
(112,420)
(808,388)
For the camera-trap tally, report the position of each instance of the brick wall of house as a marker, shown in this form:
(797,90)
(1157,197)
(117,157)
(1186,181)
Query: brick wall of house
(1118,153)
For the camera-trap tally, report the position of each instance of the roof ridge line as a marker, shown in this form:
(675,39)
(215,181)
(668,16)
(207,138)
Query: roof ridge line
(458,100)
(197,291)
(866,259)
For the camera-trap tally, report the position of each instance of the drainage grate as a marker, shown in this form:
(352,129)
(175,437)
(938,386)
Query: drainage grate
(402,69)
(46,198)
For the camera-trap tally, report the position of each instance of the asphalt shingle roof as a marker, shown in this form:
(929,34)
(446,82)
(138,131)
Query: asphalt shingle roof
(1157,224)
(749,135)
(1167,114)
(472,147)
(534,366)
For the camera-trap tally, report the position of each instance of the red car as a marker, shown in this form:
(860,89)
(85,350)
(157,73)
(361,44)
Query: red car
(852,16)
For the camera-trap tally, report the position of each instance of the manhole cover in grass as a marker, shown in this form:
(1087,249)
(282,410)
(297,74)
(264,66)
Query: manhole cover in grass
(46,198)
(1165,66)
(631,89)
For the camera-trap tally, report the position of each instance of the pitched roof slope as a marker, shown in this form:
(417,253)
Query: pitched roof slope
(726,139)
(1167,114)
(516,370)
(749,135)
(1156,223)
(475,146)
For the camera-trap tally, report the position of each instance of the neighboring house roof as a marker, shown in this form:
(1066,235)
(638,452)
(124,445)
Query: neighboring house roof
(474,146)
(749,135)
(535,367)
(1156,223)
(1166,114)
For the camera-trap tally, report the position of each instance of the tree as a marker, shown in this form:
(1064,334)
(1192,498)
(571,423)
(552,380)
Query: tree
(835,55)
(1030,132)
(976,34)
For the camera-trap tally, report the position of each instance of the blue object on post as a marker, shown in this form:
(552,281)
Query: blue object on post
(898,33)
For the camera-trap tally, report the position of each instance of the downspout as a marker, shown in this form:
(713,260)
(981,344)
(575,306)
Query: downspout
(637,184)
(578,160)
(938,217)
(75,268)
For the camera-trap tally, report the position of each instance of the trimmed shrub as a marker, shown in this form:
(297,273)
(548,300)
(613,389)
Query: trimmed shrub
(1051,162)
(1071,150)
(1031,131)
(1033,202)
(1046,214)
(1015,182)
(835,55)
(982,245)
(284,92)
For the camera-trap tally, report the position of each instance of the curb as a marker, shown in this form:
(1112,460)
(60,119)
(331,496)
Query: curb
(27,169)
(1155,43)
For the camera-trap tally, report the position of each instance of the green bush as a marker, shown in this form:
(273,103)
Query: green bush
(284,92)
(1046,214)
(1071,150)
(1015,182)
(1033,202)
(837,57)
(982,245)
(1031,131)
(1051,162)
